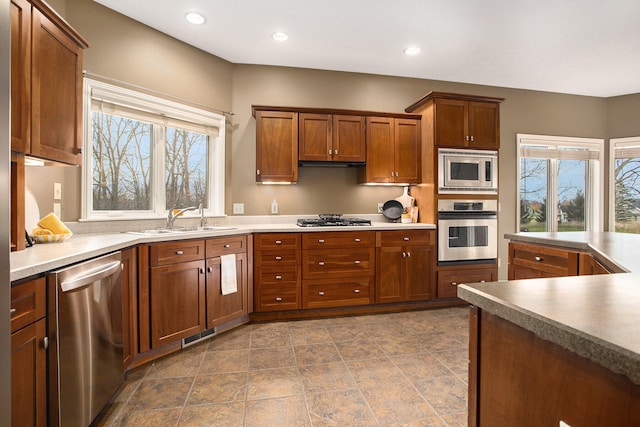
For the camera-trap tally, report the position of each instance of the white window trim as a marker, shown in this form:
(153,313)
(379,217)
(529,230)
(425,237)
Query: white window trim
(594,196)
(633,141)
(216,165)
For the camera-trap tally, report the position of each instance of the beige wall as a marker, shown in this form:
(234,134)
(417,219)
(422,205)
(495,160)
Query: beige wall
(132,52)
(623,116)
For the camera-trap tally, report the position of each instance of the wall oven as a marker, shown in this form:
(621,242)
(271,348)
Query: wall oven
(467,171)
(467,231)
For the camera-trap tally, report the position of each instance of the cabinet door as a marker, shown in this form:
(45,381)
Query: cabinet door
(451,122)
(484,125)
(56,101)
(129,305)
(29,376)
(224,308)
(20,75)
(419,272)
(407,151)
(389,265)
(177,302)
(380,142)
(276,146)
(314,137)
(349,138)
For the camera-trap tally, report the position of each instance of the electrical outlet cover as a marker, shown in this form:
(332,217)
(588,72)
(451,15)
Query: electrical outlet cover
(380,207)
(238,208)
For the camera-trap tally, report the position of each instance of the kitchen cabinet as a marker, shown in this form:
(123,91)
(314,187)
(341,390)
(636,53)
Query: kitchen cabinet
(129,305)
(276,146)
(177,291)
(224,308)
(29,347)
(588,265)
(405,265)
(331,137)
(530,261)
(338,268)
(277,271)
(449,277)
(46,83)
(393,151)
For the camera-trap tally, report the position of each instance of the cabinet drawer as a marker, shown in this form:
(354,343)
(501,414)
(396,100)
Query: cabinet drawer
(270,277)
(225,245)
(264,241)
(338,239)
(174,252)
(406,237)
(336,293)
(448,280)
(29,300)
(553,261)
(318,264)
(273,258)
(274,299)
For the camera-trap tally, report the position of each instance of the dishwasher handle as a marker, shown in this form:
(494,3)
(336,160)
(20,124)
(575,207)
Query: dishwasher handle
(86,278)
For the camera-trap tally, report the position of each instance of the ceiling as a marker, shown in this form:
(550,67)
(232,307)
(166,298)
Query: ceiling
(585,47)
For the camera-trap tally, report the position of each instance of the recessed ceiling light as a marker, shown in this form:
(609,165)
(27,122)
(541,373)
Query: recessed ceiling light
(280,37)
(413,50)
(195,18)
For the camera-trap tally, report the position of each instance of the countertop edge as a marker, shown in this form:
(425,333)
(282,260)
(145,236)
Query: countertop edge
(608,355)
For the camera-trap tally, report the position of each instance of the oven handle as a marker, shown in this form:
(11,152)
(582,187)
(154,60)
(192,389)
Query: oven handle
(468,215)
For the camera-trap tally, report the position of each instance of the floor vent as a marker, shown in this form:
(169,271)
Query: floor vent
(193,339)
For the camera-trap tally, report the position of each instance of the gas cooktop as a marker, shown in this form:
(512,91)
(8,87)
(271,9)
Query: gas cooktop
(332,220)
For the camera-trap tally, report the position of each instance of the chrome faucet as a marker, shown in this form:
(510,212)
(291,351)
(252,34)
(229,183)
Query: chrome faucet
(203,220)
(171,217)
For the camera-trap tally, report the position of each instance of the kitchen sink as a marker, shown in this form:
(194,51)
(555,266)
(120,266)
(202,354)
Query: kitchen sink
(179,230)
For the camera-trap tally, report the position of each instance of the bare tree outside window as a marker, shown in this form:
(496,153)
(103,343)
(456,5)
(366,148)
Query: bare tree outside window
(185,168)
(627,194)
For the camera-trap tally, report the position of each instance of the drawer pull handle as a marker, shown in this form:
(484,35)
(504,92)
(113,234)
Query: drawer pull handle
(179,253)
(321,293)
(278,242)
(45,342)
(278,299)
(482,281)
(356,291)
(356,240)
(406,239)
(321,263)
(454,283)
(278,277)
(538,259)
(320,240)
(356,262)
(278,258)
(227,246)
(13,311)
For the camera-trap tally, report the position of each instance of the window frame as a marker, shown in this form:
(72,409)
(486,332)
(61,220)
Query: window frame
(594,185)
(174,113)
(629,142)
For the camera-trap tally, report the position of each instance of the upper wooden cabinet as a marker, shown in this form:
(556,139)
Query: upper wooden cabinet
(276,146)
(461,121)
(393,151)
(46,83)
(331,137)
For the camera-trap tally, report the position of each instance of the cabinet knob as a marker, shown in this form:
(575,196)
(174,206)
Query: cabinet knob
(321,263)
(406,239)
(12,311)
(209,269)
(408,254)
(278,258)
(330,152)
(538,259)
(278,299)
(356,291)
(320,240)
(201,270)
(227,246)
(356,240)
(321,293)
(278,242)
(179,253)
(472,138)
(454,283)
(278,277)
(466,138)
(258,172)
(336,152)
(356,262)
(396,174)
(482,281)
(45,343)
(404,255)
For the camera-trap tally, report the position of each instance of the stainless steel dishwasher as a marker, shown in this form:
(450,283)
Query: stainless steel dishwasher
(88,368)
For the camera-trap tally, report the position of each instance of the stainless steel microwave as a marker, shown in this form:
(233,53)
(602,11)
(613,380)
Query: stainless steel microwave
(467,171)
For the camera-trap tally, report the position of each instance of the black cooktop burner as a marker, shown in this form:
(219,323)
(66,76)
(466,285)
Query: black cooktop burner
(332,220)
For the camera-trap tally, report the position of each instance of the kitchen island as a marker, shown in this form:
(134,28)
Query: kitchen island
(558,349)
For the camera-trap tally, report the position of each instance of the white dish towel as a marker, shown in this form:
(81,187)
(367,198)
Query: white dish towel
(228,267)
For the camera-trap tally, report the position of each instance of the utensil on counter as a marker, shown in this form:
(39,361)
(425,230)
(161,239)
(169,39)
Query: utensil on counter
(392,209)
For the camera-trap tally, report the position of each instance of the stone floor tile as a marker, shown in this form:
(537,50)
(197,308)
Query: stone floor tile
(224,361)
(395,402)
(340,408)
(208,389)
(229,414)
(326,377)
(290,411)
(447,395)
(314,354)
(271,357)
(269,383)
(160,393)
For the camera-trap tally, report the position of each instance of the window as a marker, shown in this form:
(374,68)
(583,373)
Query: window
(624,190)
(146,155)
(560,183)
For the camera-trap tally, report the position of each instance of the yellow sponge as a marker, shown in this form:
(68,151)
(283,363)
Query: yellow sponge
(51,222)
(41,232)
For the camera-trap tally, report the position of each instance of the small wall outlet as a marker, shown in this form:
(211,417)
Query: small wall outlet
(56,209)
(57,191)
(380,207)
(238,208)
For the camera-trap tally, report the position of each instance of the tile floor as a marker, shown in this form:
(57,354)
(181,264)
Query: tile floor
(401,369)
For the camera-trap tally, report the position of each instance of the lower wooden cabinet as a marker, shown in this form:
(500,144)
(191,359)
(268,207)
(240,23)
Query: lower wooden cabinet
(589,265)
(277,284)
(29,348)
(450,277)
(405,265)
(528,261)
